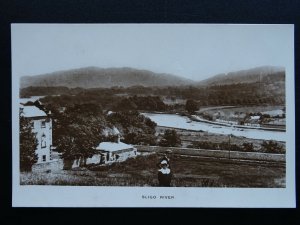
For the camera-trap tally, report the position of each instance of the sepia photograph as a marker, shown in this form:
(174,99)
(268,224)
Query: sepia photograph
(164,115)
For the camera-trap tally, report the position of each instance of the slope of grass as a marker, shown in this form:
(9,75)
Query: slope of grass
(188,172)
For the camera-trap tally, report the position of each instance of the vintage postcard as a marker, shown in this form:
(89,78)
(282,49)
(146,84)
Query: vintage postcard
(153,115)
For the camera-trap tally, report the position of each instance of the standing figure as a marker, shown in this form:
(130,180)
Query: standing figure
(164,174)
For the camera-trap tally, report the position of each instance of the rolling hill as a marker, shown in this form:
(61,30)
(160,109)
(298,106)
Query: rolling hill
(264,74)
(94,77)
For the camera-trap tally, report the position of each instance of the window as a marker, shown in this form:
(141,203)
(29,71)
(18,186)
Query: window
(43,141)
(44,158)
(32,124)
(50,152)
(43,124)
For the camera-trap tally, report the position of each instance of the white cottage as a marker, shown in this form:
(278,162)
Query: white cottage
(42,126)
(109,152)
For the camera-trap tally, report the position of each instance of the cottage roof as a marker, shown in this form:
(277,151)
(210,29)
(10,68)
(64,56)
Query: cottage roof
(32,111)
(112,146)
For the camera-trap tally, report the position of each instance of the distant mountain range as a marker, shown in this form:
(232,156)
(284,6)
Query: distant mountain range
(94,77)
(264,74)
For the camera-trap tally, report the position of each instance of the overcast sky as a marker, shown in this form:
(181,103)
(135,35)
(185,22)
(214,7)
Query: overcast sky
(189,50)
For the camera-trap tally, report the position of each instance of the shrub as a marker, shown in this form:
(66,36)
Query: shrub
(248,147)
(272,147)
(170,139)
(191,106)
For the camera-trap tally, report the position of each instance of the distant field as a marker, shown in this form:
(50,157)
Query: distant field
(229,110)
(188,137)
(188,172)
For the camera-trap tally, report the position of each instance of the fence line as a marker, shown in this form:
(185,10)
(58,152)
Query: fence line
(215,153)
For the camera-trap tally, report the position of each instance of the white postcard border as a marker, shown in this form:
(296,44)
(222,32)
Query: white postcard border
(90,196)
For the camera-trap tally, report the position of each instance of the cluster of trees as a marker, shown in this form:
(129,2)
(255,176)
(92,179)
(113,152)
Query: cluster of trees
(150,103)
(107,101)
(78,131)
(135,128)
(44,91)
(230,94)
(117,103)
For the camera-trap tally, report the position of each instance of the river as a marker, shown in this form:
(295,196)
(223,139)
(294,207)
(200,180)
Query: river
(183,122)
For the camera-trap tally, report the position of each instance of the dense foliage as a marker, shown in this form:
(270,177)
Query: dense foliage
(149,103)
(191,106)
(170,139)
(136,128)
(272,147)
(227,94)
(78,131)
(28,145)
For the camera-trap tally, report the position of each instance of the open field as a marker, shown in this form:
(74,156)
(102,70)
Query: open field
(229,110)
(188,172)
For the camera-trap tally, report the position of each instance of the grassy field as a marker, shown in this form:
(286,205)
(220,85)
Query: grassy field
(246,109)
(188,137)
(188,172)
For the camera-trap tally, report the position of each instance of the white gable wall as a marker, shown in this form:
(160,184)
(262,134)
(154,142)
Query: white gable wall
(95,159)
(43,130)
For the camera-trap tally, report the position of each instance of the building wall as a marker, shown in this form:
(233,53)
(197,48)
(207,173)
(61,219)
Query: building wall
(95,159)
(123,155)
(43,129)
(117,156)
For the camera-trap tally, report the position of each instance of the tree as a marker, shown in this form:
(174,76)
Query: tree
(170,139)
(248,147)
(125,105)
(78,131)
(135,127)
(272,147)
(140,139)
(191,106)
(28,145)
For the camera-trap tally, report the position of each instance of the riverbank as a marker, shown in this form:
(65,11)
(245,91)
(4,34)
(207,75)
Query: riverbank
(199,119)
(184,122)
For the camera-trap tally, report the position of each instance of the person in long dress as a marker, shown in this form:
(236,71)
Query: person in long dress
(164,174)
